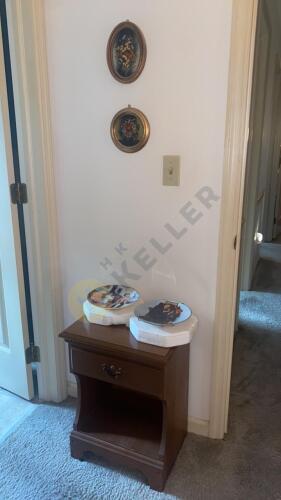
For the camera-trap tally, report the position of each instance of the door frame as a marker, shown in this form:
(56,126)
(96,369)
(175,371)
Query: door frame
(244,23)
(27,29)
(26,25)
(17,328)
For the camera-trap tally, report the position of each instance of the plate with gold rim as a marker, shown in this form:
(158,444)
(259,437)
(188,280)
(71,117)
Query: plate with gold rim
(113,296)
(163,312)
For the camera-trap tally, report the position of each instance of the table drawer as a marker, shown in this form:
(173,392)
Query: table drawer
(117,371)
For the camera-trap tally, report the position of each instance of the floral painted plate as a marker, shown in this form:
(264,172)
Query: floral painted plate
(126,52)
(113,296)
(163,312)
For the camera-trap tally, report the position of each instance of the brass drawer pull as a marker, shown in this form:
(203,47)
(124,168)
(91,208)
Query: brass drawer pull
(111,370)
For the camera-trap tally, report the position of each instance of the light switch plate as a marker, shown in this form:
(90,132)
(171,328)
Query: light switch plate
(171,170)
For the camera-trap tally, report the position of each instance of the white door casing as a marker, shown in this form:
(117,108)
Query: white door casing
(26,26)
(15,374)
(237,133)
(244,17)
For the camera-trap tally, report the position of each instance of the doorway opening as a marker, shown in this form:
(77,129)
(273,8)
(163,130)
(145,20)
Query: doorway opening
(18,377)
(28,54)
(255,405)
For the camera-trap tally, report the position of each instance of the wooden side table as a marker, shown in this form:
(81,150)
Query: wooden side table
(132,399)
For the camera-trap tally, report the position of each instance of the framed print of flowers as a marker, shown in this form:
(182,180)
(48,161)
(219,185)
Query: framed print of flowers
(130,130)
(126,52)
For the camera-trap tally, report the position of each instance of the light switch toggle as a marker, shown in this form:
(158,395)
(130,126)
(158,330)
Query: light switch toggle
(171,170)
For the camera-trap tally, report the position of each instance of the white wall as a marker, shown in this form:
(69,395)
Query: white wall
(105,196)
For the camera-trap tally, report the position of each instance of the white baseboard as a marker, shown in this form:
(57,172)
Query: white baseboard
(195,425)
(198,426)
(72,389)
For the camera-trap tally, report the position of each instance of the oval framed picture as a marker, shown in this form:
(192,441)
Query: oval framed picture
(126,52)
(130,130)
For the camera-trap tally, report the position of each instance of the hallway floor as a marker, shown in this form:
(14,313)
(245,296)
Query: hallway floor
(12,410)
(255,406)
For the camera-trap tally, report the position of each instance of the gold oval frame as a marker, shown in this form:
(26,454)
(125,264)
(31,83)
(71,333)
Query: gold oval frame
(110,46)
(146,130)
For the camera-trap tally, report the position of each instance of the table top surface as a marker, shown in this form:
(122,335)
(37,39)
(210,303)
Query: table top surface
(115,338)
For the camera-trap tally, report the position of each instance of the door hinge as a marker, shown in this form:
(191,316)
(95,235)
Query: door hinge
(18,193)
(235,242)
(32,354)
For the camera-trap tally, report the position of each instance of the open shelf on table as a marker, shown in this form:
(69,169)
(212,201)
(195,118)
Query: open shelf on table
(123,417)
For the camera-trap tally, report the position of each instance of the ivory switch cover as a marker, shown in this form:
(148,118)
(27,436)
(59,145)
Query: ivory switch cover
(171,170)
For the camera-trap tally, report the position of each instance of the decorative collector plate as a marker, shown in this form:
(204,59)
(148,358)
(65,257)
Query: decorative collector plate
(129,130)
(163,312)
(126,52)
(113,296)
